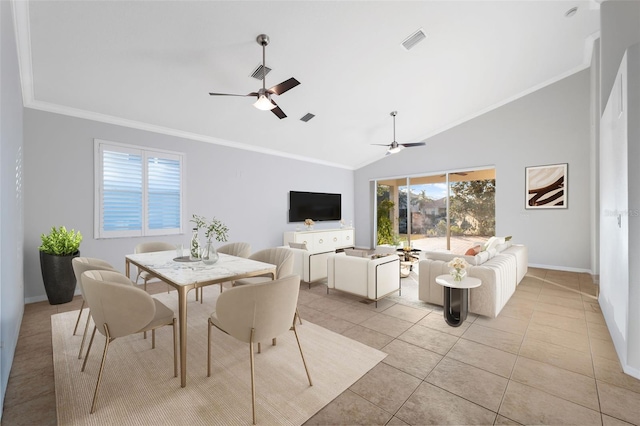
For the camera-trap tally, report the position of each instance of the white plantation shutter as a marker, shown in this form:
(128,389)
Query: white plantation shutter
(163,197)
(138,191)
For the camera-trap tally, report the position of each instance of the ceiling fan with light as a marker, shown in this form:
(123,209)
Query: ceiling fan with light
(394,146)
(263,95)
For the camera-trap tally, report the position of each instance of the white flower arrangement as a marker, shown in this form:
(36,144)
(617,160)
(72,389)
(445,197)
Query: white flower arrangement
(458,268)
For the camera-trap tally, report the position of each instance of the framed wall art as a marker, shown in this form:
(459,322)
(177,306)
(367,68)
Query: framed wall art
(546,187)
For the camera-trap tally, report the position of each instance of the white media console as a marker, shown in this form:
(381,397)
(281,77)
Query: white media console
(322,240)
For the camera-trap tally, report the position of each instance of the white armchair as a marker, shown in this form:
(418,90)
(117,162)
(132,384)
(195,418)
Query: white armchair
(370,278)
(310,266)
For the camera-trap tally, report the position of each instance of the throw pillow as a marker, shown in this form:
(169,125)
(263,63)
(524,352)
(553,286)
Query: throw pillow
(473,250)
(302,246)
(356,253)
(492,243)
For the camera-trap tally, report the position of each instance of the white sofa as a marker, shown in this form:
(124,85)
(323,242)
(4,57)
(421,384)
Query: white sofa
(500,270)
(370,278)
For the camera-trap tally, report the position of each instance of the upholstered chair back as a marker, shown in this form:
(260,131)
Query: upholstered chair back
(82,264)
(267,307)
(279,256)
(236,249)
(154,246)
(114,301)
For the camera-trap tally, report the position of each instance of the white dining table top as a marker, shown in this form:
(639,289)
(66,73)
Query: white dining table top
(162,263)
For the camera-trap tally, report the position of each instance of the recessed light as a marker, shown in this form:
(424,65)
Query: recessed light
(569,13)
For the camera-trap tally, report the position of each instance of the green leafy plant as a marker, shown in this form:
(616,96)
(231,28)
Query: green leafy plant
(385,227)
(60,242)
(212,227)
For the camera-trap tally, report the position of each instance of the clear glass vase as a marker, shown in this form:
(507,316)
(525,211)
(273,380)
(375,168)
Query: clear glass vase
(209,254)
(458,274)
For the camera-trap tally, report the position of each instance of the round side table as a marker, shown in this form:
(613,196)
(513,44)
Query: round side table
(456,297)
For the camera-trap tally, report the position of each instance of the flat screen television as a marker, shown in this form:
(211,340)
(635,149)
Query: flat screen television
(314,205)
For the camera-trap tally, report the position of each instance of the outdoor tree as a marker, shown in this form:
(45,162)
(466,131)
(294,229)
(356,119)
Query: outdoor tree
(385,226)
(474,200)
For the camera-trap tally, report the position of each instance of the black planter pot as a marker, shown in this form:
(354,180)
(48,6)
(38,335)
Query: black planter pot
(59,279)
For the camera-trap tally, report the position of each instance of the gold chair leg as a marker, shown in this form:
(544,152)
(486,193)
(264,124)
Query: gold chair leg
(104,358)
(302,355)
(209,347)
(84,335)
(78,320)
(175,348)
(299,317)
(153,338)
(86,357)
(253,384)
(201,294)
(259,348)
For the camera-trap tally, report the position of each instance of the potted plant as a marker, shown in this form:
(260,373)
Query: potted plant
(213,228)
(58,247)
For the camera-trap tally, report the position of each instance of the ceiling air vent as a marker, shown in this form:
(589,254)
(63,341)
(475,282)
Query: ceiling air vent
(257,74)
(414,39)
(308,116)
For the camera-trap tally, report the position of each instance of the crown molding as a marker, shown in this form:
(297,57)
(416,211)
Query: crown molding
(119,121)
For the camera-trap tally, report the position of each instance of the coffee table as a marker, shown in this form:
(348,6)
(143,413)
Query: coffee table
(456,297)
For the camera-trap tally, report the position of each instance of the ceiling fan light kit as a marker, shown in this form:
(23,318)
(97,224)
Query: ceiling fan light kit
(263,103)
(263,95)
(395,147)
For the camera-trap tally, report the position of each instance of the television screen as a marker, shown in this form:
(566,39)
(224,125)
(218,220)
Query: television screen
(314,205)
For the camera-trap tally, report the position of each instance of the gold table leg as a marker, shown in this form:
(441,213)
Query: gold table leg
(182,318)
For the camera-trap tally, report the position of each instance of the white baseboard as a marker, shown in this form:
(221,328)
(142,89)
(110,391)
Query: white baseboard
(560,268)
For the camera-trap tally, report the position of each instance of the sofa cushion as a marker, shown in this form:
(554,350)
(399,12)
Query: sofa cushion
(356,253)
(478,259)
(301,246)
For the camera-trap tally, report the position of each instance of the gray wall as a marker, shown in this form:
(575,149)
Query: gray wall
(248,191)
(548,126)
(619,29)
(11,274)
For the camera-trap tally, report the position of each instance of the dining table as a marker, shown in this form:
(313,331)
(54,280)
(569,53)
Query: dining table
(185,274)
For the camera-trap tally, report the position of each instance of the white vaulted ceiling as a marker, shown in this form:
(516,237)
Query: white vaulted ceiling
(151,64)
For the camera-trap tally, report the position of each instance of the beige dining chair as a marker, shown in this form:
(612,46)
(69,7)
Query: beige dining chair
(282,257)
(148,248)
(233,249)
(119,310)
(253,312)
(80,265)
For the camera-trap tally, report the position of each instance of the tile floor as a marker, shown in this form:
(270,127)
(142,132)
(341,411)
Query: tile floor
(547,359)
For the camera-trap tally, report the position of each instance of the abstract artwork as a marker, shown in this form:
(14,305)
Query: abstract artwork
(546,187)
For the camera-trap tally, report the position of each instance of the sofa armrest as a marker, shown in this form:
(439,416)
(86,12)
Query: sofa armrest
(383,276)
(310,266)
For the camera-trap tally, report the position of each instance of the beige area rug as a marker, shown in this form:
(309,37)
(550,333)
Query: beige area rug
(138,386)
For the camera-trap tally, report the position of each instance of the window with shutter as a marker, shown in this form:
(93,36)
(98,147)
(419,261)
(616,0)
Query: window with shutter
(138,191)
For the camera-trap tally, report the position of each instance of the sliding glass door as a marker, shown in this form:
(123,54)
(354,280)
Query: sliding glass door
(446,211)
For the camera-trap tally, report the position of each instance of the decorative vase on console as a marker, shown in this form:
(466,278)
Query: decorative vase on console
(309,224)
(209,254)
